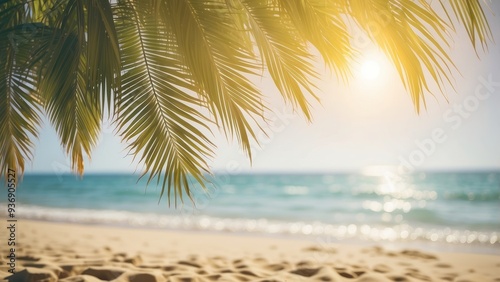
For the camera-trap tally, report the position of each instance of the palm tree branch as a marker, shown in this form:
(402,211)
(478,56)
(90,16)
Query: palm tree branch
(285,56)
(70,98)
(19,101)
(412,36)
(159,120)
(103,52)
(218,60)
(471,15)
(320,22)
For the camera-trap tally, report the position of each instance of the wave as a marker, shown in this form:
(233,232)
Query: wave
(486,196)
(187,221)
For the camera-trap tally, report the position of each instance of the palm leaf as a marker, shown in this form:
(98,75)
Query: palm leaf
(283,51)
(321,23)
(215,54)
(471,15)
(103,51)
(412,36)
(157,116)
(12,13)
(19,100)
(71,99)
(81,68)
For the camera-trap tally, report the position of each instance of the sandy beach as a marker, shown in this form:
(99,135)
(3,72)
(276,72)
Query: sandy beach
(47,251)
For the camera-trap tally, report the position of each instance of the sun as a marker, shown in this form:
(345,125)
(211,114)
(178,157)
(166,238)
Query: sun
(370,70)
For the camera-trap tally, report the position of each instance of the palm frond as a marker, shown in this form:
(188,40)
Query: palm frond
(13,13)
(321,23)
(156,114)
(283,52)
(470,14)
(412,36)
(213,51)
(71,99)
(19,100)
(81,68)
(103,52)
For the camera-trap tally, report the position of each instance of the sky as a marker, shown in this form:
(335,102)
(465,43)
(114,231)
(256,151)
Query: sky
(366,125)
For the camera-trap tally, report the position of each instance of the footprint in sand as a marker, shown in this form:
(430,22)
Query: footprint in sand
(382,268)
(182,279)
(238,266)
(227,270)
(104,273)
(347,274)
(260,260)
(312,249)
(169,268)
(274,267)
(249,273)
(135,260)
(305,264)
(442,265)
(398,278)
(28,258)
(418,275)
(306,272)
(189,263)
(418,254)
(141,277)
(214,277)
(359,272)
(449,276)
(236,261)
(328,250)
(202,272)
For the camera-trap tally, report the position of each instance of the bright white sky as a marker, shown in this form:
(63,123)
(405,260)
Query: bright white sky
(368,123)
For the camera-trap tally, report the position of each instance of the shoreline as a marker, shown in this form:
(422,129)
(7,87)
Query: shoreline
(476,248)
(65,250)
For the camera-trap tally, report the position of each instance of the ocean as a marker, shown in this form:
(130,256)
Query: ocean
(450,210)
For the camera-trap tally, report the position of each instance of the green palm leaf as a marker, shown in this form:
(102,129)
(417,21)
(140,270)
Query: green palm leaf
(214,53)
(103,51)
(19,100)
(320,22)
(283,52)
(81,67)
(156,114)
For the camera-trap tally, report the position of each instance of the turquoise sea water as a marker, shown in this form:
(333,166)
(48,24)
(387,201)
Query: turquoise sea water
(450,209)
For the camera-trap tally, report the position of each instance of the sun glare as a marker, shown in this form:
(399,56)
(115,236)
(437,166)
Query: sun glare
(370,70)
